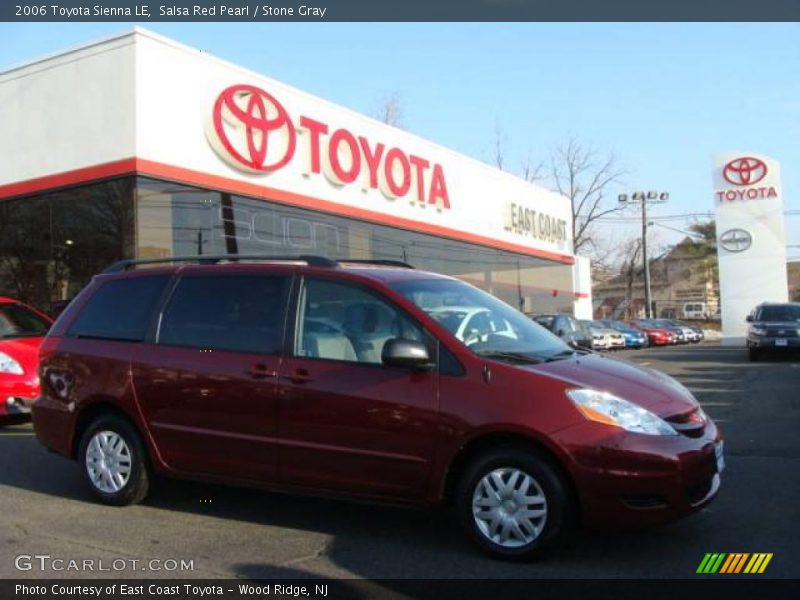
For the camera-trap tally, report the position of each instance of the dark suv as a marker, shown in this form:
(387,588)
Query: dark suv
(773,328)
(369,380)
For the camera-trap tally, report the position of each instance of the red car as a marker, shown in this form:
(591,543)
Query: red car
(656,336)
(330,377)
(22,329)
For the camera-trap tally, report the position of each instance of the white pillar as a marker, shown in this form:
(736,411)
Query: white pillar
(751,240)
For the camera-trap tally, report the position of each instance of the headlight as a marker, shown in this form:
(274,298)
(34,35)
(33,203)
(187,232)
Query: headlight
(758,331)
(9,365)
(603,407)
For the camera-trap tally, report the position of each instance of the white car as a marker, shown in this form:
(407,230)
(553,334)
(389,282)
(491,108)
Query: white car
(604,338)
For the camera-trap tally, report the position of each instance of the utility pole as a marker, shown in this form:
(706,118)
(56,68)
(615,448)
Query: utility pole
(645,198)
(648,303)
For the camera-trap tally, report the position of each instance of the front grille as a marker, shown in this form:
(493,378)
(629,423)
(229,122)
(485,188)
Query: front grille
(781,332)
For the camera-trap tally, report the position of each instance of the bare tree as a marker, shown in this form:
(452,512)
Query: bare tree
(583,174)
(499,147)
(630,255)
(391,111)
(529,170)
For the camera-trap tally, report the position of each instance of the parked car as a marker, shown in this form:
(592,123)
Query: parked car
(633,338)
(22,329)
(656,336)
(677,336)
(690,334)
(774,327)
(566,327)
(339,378)
(604,338)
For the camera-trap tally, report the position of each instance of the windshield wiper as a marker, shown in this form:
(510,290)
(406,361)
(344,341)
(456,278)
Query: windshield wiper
(509,356)
(560,355)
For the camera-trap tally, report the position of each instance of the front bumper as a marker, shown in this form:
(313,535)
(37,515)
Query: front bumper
(627,480)
(774,343)
(17,393)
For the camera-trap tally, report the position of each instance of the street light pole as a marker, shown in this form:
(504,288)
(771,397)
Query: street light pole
(644,198)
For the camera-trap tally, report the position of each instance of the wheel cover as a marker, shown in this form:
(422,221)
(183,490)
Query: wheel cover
(509,507)
(108,461)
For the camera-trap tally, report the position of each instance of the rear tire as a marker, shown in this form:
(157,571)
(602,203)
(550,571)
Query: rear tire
(114,461)
(514,504)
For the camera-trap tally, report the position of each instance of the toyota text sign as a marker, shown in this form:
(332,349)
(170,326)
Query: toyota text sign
(253,132)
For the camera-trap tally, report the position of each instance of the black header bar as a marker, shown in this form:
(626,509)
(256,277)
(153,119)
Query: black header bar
(144,11)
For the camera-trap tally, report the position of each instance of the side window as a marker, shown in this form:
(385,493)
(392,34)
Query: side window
(120,310)
(343,322)
(237,313)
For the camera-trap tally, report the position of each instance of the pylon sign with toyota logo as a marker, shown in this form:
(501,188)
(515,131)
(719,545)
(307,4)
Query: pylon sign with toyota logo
(252,132)
(751,239)
(745,173)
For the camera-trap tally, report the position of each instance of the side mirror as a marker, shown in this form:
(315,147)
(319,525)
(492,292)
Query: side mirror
(398,352)
(560,333)
(749,318)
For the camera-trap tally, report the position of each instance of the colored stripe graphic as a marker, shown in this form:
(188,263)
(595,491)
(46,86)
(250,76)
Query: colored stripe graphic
(758,563)
(734,563)
(711,562)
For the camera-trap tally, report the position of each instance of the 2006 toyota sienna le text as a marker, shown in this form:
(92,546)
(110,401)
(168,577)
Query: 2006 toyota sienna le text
(361,379)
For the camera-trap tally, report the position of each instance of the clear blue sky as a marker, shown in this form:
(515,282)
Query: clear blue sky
(663,97)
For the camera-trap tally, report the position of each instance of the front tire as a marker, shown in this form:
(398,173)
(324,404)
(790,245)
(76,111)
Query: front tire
(514,504)
(113,459)
(753,354)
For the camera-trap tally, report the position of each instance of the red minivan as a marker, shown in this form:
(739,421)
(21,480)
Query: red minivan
(360,379)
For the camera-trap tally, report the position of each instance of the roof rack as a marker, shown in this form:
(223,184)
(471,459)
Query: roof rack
(213,259)
(377,262)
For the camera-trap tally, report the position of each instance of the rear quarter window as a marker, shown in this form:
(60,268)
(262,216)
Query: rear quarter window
(120,309)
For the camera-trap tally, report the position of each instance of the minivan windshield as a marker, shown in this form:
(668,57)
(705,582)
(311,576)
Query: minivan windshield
(18,321)
(486,325)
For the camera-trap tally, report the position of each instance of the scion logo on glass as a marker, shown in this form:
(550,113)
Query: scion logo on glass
(251,130)
(744,171)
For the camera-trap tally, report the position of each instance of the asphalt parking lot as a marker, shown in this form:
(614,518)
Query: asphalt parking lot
(230,532)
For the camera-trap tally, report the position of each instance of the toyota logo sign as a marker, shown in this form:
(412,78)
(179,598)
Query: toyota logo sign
(744,171)
(736,240)
(251,130)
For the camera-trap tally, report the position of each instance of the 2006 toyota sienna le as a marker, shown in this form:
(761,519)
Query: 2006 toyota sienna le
(365,379)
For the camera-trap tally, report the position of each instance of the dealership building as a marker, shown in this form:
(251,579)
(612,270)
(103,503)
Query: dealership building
(136,146)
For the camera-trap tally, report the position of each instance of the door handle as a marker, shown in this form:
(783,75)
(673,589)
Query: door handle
(260,371)
(300,376)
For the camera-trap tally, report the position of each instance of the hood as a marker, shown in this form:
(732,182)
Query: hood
(650,389)
(23,350)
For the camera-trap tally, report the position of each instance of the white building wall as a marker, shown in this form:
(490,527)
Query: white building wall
(68,111)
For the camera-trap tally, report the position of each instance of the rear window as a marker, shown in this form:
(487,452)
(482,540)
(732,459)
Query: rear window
(120,310)
(236,313)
